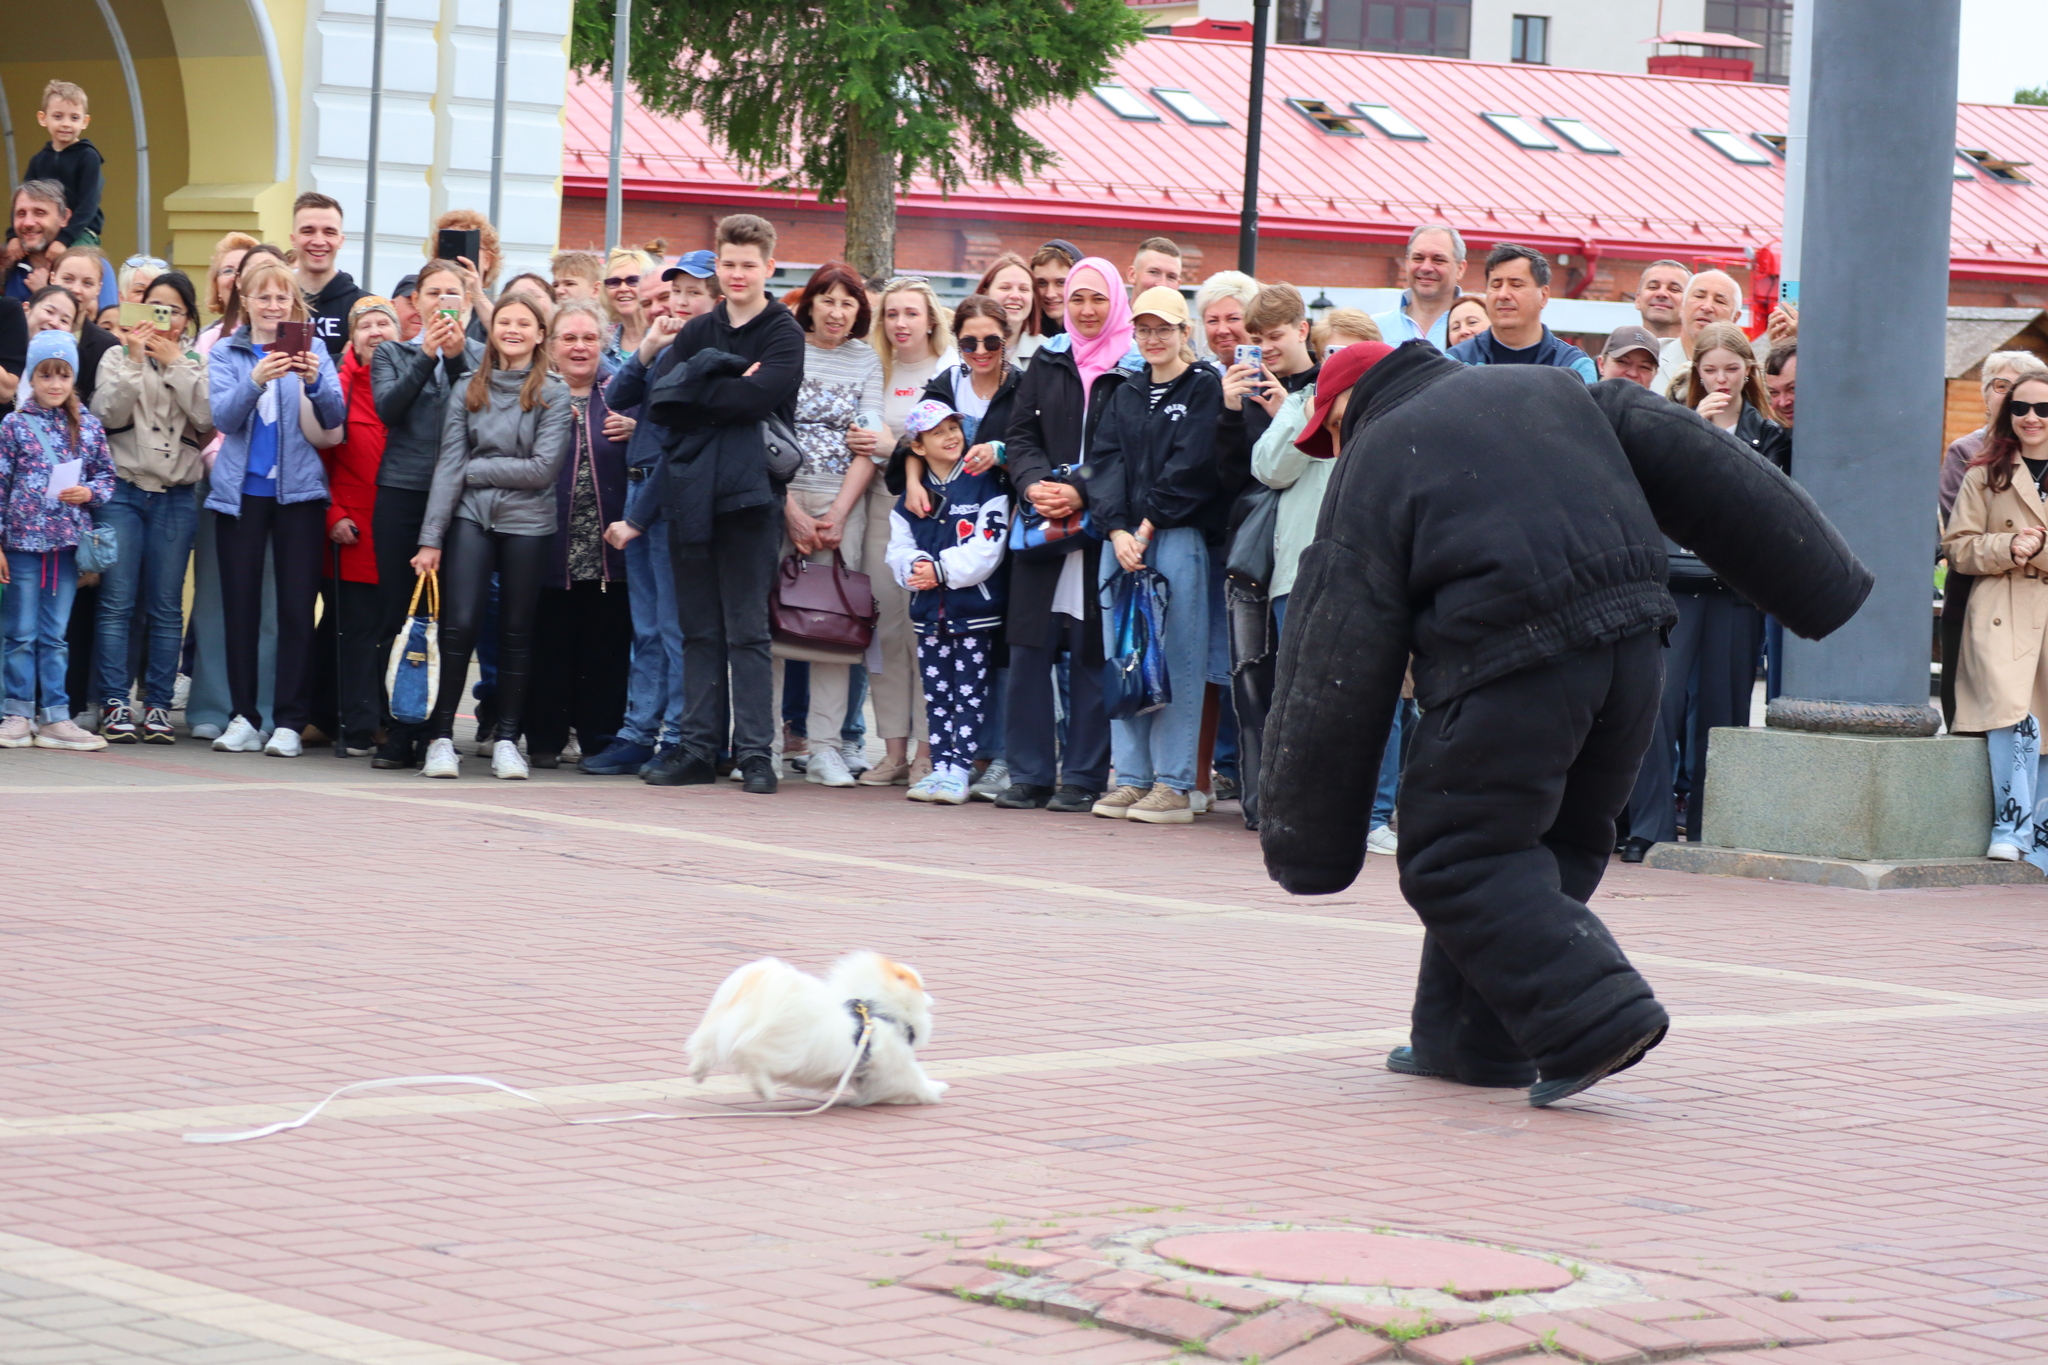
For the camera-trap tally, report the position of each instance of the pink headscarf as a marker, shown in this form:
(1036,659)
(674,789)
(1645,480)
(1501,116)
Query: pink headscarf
(1100,353)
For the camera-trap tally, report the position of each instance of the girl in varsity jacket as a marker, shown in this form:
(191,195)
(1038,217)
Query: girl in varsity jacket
(951,560)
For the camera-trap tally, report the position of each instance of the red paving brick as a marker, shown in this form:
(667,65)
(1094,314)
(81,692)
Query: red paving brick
(246,931)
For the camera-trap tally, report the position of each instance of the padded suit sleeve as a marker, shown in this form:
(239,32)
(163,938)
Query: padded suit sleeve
(1761,533)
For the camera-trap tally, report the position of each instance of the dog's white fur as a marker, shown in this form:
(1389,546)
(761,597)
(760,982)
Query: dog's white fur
(775,1025)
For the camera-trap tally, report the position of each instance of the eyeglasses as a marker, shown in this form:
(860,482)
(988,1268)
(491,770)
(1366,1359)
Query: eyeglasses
(2018,409)
(969,345)
(1155,333)
(620,281)
(159,262)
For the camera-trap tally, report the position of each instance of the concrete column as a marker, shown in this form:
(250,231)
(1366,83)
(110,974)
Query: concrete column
(1874,287)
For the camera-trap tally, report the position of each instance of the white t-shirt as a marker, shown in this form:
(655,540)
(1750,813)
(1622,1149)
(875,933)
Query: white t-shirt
(902,390)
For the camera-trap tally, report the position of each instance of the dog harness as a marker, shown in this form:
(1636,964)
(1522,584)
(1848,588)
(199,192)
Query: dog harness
(866,1016)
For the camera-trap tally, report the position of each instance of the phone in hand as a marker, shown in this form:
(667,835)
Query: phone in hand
(137,315)
(1250,355)
(459,244)
(293,338)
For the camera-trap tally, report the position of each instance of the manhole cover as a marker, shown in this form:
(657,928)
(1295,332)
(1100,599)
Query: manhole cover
(1364,1258)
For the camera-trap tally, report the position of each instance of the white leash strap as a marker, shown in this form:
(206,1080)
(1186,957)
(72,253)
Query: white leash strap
(859,1051)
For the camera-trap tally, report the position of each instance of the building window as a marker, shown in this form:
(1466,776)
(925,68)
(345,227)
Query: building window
(1531,42)
(1761,21)
(1432,28)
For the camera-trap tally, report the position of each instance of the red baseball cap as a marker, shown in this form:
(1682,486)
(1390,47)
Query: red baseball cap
(1338,374)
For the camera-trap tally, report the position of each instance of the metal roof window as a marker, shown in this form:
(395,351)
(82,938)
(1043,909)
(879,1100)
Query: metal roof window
(1772,142)
(1734,148)
(1125,105)
(1385,118)
(1582,135)
(1332,119)
(1191,109)
(1999,169)
(1521,132)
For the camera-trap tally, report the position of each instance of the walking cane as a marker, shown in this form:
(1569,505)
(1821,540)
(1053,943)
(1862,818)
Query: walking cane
(340,664)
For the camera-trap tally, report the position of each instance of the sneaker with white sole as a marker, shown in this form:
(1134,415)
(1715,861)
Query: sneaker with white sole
(507,762)
(157,727)
(994,781)
(284,743)
(206,730)
(65,734)
(827,768)
(2004,853)
(1116,804)
(16,733)
(442,760)
(1383,840)
(855,752)
(239,738)
(948,786)
(1162,806)
(926,788)
(117,722)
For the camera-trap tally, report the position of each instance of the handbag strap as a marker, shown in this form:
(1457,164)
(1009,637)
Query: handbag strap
(420,583)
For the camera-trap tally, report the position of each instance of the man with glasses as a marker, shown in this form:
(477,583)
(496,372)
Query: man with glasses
(331,293)
(1435,261)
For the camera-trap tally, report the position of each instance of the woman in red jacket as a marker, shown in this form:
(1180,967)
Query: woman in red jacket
(352,489)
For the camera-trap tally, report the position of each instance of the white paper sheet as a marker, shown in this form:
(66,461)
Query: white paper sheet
(62,476)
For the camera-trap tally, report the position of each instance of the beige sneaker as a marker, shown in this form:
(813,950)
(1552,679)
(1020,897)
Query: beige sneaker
(65,734)
(16,733)
(1117,804)
(1163,806)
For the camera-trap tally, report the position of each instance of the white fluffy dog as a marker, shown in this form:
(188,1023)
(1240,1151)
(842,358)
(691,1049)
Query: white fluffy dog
(776,1025)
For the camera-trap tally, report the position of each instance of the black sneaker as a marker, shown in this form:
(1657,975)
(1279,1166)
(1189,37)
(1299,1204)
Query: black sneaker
(394,753)
(117,723)
(1402,1060)
(156,726)
(1023,796)
(760,775)
(677,768)
(544,760)
(1073,800)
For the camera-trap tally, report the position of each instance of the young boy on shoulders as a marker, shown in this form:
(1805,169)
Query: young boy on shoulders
(70,159)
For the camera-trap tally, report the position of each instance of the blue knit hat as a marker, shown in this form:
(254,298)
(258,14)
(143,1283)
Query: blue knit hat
(52,345)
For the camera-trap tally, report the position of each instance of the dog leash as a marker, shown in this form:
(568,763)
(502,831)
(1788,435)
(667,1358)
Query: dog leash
(859,1053)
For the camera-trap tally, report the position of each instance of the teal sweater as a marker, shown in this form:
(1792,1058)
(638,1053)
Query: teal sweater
(1301,478)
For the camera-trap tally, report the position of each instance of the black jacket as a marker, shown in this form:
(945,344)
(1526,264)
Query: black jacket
(96,342)
(1048,434)
(1490,519)
(78,168)
(1688,572)
(330,310)
(13,336)
(709,467)
(410,389)
(945,387)
(1157,463)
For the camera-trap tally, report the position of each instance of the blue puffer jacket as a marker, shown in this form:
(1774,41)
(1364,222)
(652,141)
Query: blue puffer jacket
(300,475)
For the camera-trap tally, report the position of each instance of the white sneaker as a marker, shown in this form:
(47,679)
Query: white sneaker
(507,762)
(65,734)
(240,738)
(205,731)
(855,753)
(2005,853)
(827,768)
(995,780)
(16,733)
(284,743)
(1383,840)
(442,760)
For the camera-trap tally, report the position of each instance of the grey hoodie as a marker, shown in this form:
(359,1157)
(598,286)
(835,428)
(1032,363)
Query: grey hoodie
(498,465)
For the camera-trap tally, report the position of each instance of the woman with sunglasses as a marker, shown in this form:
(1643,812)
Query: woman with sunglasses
(1996,534)
(153,398)
(621,284)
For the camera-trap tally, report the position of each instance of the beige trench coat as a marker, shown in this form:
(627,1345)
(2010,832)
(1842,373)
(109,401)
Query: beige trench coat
(2003,672)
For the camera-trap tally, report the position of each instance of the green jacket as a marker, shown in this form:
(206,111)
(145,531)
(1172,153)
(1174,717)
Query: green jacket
(1301,478)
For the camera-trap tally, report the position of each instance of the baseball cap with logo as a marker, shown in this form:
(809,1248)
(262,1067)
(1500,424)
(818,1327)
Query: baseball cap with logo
(925,416)
(698,265)
(1628,338)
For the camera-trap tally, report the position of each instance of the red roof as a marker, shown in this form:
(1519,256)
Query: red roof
(1669,192)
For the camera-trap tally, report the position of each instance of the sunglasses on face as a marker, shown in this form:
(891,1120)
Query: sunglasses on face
(2019,409)
(969,345)
(620,281)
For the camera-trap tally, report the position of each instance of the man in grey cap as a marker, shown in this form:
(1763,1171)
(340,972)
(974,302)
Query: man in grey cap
(404,302)
(1631,353)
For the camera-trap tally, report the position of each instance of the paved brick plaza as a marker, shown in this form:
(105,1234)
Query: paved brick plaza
(1141,1033)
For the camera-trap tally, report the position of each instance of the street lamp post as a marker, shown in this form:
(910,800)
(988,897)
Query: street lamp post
(1254,123)
(614,195)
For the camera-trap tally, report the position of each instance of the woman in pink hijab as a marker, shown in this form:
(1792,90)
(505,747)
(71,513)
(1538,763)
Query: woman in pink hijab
(1053,608)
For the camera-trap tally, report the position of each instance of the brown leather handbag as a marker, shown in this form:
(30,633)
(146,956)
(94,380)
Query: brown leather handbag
(824,613)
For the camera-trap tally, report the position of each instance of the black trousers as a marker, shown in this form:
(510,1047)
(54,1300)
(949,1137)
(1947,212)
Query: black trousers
(1712,664)
(582,650)
(295,533)
(348,691)
(722,605)
(1030,736)
(1507,822)
(469,556)
(395,530)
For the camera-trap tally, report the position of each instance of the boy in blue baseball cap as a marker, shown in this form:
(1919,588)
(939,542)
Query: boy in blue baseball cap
(693,284)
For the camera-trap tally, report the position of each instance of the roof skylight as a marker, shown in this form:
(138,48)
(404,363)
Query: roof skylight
(1191,109)
(1389,121)
(1331,118)
(1521,132)
(1125,105)
(1582,135)
(1733,147)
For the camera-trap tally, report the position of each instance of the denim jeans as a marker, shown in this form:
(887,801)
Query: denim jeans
(154,533)
(33,613)
(2019,816)
(1160,747)
(654,687)
(1390,765)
